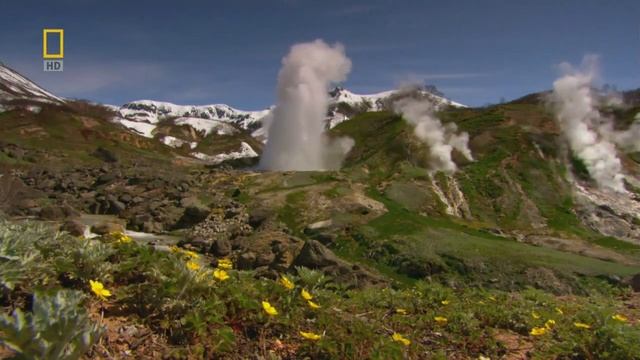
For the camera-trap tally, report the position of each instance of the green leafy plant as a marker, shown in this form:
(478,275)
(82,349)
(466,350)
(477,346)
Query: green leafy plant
(57,328)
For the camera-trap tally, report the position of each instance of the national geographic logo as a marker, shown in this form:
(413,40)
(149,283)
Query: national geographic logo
(53,49)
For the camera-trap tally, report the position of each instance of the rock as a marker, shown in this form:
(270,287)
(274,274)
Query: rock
(106,227)
(193,215)
(315,255)
(73,227)
(25,204)
(221,247)
(257,217)
(116,207)
(54,213)
(105,155)
(151,227)
(635,283)
(264,258)
(125,198)
(246,260)
(105,179)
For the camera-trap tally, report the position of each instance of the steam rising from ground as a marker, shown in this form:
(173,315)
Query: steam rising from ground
(441,139)
(590,134)
(296,131)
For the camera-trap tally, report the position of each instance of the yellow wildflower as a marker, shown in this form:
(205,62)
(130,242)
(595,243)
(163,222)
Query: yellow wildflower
(225,264)
(220,274)
(288,284)
(401,339)
(550,324)
(175,249)
(535,315)
(122,238)
(310,335)
(559,311)
(492,298)
(270,310)
(98,288)
(580,325)
(620,317)
(445,302)
(191,254)
(537,331)
(193,266)
(440,320)
(401,311)
(306,295)
(313,305)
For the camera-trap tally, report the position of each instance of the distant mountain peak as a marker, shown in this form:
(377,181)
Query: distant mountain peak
(16,87)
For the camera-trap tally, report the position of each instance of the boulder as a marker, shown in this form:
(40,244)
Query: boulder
(221,247)
(246,260)
(635,283)
(53,213)
(105,155)
(314,255)
(73,227)
(107,227)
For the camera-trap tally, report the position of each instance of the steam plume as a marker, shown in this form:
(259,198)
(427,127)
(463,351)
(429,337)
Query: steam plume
(589,133)
(441,139)
(296,132)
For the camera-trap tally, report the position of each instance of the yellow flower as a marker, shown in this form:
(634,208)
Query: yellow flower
(550,324)
(559,311)
(120,237)
(313,305)
(492,298)
(270,310)
(220,274)
(191,254)
(445,302)
(401,339)
(537,331)
(288,284)
(193,266)
(440,320)
(620,317)
(98,288)
(580,325)
(310,335)
(401,311)
(535,315)
(225,264)
(175,249)
(306,295)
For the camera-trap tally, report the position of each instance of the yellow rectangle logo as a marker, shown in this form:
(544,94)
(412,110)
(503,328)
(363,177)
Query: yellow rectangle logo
(45,52)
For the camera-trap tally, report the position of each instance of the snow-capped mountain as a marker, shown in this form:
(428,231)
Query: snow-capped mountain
(376,102)
(143,115)
(15,87)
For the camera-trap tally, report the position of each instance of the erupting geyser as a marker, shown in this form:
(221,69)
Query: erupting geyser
(442,139)
(297,139)
(589,133)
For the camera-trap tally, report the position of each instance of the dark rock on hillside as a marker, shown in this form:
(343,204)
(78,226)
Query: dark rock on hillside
(105,155)
(73,227)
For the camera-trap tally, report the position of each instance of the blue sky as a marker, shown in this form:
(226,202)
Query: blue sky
(200,52)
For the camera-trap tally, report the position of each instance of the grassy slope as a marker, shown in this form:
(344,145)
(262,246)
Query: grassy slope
(504,141)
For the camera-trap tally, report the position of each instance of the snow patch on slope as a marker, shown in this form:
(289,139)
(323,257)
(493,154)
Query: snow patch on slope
(246,151)
(207,126)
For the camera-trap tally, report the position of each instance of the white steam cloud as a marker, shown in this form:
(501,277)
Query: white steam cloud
(296,132)
(441,139)
(590,134)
